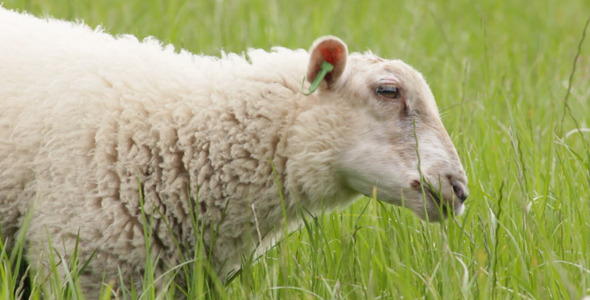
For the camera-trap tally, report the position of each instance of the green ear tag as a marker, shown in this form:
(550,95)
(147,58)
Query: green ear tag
(325,68)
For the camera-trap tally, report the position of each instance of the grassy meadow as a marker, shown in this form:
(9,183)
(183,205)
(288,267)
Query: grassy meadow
(512,81)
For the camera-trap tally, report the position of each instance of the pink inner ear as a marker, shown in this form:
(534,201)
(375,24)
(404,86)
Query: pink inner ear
(332,54)
(331,50)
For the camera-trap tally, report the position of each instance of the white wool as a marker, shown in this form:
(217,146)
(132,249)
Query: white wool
(87,118)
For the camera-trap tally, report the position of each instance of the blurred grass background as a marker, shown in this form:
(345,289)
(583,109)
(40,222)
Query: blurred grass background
(500,71)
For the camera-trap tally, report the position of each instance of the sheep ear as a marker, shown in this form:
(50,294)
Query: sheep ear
(327,49)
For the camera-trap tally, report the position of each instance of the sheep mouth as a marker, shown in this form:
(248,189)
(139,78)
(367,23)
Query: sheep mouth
(439,201)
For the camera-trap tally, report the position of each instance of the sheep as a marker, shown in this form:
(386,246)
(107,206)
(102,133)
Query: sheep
(100,133)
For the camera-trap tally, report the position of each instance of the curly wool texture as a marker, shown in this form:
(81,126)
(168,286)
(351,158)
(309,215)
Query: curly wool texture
(86,118)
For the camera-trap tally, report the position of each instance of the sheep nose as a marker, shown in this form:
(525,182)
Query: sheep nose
(459,189)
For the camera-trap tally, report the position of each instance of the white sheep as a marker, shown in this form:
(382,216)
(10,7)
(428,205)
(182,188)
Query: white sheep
(89,121)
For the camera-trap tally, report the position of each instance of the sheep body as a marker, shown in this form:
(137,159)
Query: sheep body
(91,123)
(86,118)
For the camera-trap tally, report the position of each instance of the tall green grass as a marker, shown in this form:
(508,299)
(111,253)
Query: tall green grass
(503,75)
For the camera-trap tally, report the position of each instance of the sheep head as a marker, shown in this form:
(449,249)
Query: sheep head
(395,145)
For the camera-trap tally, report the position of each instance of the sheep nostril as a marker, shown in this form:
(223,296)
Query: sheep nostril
(459,190)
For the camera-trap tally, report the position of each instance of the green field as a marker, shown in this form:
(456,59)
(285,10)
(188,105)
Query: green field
(513,97)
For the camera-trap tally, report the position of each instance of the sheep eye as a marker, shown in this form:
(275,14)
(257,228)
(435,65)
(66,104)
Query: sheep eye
(388,91)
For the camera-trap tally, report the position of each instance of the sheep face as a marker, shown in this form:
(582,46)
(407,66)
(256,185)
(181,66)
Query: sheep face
(397,147)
